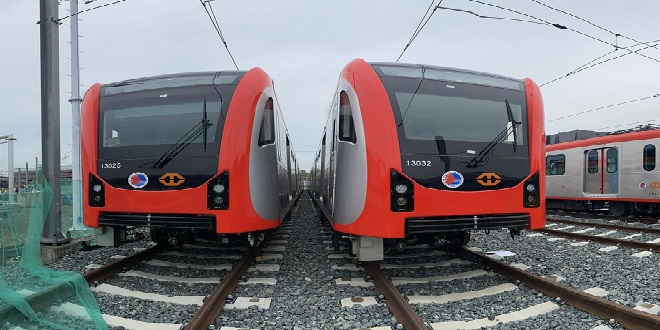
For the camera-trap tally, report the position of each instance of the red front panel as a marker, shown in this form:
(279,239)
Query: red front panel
(234,156)
(383,154)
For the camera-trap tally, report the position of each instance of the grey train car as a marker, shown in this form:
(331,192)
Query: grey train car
(592,171)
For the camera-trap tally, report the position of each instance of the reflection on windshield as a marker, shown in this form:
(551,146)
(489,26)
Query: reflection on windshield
(158,124)
(458,118)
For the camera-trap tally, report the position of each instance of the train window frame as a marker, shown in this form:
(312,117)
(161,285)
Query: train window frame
(615,165)
(346,124)
(559,162)
(591,168)
(648,160)
(267,128)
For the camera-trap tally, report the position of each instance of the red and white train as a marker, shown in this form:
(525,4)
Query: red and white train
(430,152)
(591,171)
(187,155)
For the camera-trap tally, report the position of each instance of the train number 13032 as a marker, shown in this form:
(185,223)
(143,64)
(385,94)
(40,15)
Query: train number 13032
(418,162)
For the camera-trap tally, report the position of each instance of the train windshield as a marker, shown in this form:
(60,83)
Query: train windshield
(147,119)
(458,116)
(143,120)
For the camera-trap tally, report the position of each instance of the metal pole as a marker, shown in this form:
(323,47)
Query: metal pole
(10,147)
(50,118)
(27,170)
(76,170)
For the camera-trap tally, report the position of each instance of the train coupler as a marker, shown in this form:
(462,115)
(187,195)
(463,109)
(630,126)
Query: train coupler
(515,232)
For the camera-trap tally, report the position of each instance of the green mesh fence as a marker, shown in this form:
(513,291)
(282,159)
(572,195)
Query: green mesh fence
(33,296)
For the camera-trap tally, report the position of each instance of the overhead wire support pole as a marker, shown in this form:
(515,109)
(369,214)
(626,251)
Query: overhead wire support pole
(76,170)
(10,158)
(50,118)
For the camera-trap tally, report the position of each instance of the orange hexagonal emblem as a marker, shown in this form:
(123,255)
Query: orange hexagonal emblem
(172,179)
(489,179)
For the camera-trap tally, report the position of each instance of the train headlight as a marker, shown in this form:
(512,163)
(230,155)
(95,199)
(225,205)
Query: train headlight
(218,188)
(401,188)
(532,192)
(402,193)
(96,192)
(217,192)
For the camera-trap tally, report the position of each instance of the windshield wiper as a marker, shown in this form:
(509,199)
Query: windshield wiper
(490,147)
(509,114)
(190,136)
(205,123)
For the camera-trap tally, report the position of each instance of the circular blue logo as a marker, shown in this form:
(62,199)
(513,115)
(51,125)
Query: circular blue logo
(138,180)
(452,179)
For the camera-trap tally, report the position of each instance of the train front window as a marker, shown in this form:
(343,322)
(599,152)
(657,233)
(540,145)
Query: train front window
(427,116)
(160,123)
(443,117)
(161,118)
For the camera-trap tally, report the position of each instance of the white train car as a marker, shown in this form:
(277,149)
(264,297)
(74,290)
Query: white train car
(617,171)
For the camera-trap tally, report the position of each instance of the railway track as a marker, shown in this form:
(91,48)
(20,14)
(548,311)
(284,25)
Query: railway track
(655,231)
(634,218)
(653,245)
(603,240)
(45,299)
(405,314)
(207,314)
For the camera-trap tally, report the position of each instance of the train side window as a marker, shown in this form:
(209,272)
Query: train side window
(267,132)
(346,126)
(649,157)
(592,162)
(555,165)
(612,157)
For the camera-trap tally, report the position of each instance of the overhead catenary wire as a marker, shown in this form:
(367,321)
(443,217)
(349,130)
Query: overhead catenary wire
(491,17)
(216,25)
(595,25)
(604,107)
(589,64)
(562,27)
(628,125)
(59,20)
(420,26)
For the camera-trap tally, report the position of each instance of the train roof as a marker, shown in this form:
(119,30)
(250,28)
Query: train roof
(584,138)
(447,74)
(174,80)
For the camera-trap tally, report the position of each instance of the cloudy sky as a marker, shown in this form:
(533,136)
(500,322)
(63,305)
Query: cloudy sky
(303,45)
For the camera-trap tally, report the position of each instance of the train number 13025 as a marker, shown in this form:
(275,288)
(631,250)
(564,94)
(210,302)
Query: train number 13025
(111,165)
(418,162)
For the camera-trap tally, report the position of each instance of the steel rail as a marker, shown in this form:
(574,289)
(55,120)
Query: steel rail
(106,271)
(645,230)
(44,299)
(648,220)
(208,313)
(600,307)
(604,240)
(396,302)
(288,209)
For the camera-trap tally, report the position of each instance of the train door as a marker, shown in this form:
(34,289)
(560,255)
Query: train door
(323,174)
(601,171)
(333,160)
(288,168)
